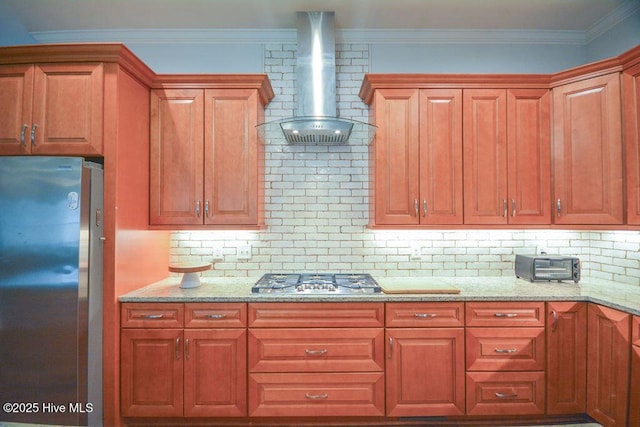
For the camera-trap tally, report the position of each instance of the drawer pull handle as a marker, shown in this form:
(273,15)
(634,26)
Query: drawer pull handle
(506,314)
(506,350)
(152,316)
(506,395)
(554,326)
(177,348)
(316,396)
(215,316)
(316,352)
(424,315)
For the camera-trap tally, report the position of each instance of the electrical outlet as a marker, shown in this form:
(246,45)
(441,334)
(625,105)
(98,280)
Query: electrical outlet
(416,252)
(244,252)
(217,254)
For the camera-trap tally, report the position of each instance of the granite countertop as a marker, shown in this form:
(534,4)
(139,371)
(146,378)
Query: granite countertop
(238,289)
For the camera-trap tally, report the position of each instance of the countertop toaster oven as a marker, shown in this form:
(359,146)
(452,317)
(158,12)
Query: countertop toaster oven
(547,268)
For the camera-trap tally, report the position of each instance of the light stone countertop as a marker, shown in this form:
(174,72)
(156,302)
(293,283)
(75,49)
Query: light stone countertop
(238,289)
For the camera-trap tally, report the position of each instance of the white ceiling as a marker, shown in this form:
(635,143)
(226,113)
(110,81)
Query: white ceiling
(71,15)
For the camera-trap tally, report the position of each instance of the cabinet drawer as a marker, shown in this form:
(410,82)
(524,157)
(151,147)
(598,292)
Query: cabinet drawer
(321,315)
(328,394)
(635,330)
(316,350)
(505,349)
(152,315)
(428,315)
(208,315)
(505,393)
(505,314)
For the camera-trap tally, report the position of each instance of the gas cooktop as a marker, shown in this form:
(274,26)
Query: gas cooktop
(316,283)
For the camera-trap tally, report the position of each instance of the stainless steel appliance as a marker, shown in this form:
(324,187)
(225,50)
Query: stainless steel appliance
(547,268)
(316,283)
(50,290)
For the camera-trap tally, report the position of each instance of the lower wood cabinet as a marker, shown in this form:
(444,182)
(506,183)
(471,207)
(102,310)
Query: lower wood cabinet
(634,390)
(505,393)
(566,357)
(463,360)
(191,372)
(608,365)
(425,361)
(505,358)
(334,369)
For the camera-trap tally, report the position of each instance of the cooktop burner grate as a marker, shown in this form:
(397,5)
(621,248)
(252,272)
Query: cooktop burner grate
(316,283)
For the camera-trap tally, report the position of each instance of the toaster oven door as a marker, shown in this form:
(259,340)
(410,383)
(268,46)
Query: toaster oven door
(553,269)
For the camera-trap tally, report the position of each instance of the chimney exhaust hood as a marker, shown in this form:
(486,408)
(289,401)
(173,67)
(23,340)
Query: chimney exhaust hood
(316,120)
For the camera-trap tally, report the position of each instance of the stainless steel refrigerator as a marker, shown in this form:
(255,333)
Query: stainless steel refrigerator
(50,290)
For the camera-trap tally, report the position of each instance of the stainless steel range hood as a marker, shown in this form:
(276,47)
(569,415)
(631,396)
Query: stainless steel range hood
(316,120)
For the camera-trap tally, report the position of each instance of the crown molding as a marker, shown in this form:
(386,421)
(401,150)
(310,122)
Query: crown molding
(609,21)
(260,36)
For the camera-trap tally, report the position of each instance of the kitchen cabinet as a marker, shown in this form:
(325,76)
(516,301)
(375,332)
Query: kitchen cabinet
(425,359)
(634,390)
(183,360)
(52,109)
(587,153)
(316,359)
(631,111)
(506,156)
(417,157)
(608,365)
(505,358)
(206,158)
(566,357)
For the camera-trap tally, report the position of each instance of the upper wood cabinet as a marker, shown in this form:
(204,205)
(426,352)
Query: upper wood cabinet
(631,111)
(206,157)
(51,109)
(419,177)
(417,157)
(506,156)
(587,152)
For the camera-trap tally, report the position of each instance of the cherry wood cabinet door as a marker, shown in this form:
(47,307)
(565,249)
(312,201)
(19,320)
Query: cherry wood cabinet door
(631,111)
(441,156)
(608,365)
(634,392)
(215,373)
(425,372)
(151,372)
(485,156)
(395,157)
(231,157)
(587,152)
(68,109)
(16,93)
(566,357)
(177,163)
(529,156)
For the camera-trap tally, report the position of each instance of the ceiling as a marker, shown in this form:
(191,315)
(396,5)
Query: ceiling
(70,15)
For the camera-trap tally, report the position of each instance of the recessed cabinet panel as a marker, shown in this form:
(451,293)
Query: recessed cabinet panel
(231,157)
(588,152)
(425,372)
(631,120)
(176,156)
(396,152)
(485,156)
(440,200)
(608,365)
(566,357)
(529,166)
(16,87)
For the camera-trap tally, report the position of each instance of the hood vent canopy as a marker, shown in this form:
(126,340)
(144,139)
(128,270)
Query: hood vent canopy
(316,120)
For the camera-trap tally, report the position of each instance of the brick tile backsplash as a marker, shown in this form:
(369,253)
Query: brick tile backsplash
(317,210)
